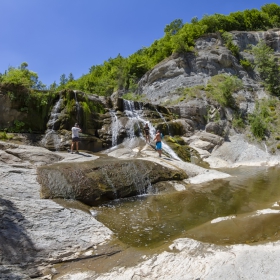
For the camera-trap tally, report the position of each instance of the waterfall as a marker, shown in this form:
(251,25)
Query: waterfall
(109,181)
(77,106)
(265,148)
(161,116)
(135,118)
(51,138)
(139,176)
(115,127)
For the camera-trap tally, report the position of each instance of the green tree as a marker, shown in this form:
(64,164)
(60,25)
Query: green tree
(41,86)
(70,77)
(267,66)
(185,39)
(273,13)
(256,20)
(174,27)
(21,76)
(53,86)
(63,80)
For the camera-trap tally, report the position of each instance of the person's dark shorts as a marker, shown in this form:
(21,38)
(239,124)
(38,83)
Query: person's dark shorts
(75,139)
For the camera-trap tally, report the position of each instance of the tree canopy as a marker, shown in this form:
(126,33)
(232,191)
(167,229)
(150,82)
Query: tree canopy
(124,73)
(22,76)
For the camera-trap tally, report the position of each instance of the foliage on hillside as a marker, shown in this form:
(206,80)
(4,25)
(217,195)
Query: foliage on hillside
(22,76)
(123,73)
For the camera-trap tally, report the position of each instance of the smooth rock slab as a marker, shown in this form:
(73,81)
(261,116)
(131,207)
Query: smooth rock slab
(191,260)
(104,179)
(36,232)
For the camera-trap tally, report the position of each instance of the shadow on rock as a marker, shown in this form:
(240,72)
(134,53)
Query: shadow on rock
(17,251)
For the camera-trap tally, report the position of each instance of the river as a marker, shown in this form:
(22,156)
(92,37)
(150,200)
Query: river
(241,209)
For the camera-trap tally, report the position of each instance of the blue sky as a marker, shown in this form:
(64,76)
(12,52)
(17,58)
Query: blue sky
(57,37)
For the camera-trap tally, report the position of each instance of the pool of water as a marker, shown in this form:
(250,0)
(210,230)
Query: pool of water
(240,209)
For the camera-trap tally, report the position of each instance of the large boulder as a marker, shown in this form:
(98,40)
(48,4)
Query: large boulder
(219,128)
(194,110)
(104,179)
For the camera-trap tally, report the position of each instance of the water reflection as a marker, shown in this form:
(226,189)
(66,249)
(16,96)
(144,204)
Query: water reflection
(149,221)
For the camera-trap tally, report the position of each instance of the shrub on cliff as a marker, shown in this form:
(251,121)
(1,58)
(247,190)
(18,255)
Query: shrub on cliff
(22,76)
(267,66)
(221,87)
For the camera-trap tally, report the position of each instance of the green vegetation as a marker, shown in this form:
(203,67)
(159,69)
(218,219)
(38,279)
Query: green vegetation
(246,64)
(133,97)
(22,76)
(228,38)
(238,121)
(179,147)
(6,136)
(124,73)
(261,119)
(221,87)
(35,103)
(267,66)
(185,94)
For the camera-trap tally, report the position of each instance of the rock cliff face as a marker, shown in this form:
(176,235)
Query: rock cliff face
(106,122)
(210,58)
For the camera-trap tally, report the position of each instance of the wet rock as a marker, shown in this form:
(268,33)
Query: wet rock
(95,182)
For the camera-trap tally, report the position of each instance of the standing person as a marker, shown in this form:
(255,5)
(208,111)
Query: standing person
(75,138)
(147,132)
(158,142)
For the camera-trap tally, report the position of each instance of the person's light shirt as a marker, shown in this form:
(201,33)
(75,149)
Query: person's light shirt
(75,132)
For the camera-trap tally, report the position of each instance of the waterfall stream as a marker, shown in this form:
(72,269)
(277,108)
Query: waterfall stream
(161,116)
(135,118)
(51,137)
(115,127)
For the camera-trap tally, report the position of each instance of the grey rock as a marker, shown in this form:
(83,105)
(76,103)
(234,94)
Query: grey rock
(36,232)
(218,128)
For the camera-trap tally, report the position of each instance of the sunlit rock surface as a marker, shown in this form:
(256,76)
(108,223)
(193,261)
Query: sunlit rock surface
(189,259)
(36,232)
(237,152)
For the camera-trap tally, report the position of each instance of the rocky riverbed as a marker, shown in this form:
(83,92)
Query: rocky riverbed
(37,234)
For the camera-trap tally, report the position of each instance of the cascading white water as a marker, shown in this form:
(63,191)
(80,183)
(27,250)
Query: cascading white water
(51,137)
(135,118)
(162,117)
(139,175)
(265,148)
(109,181)
(115,126)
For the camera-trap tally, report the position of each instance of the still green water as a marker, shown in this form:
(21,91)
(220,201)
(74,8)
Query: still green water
(150,221)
